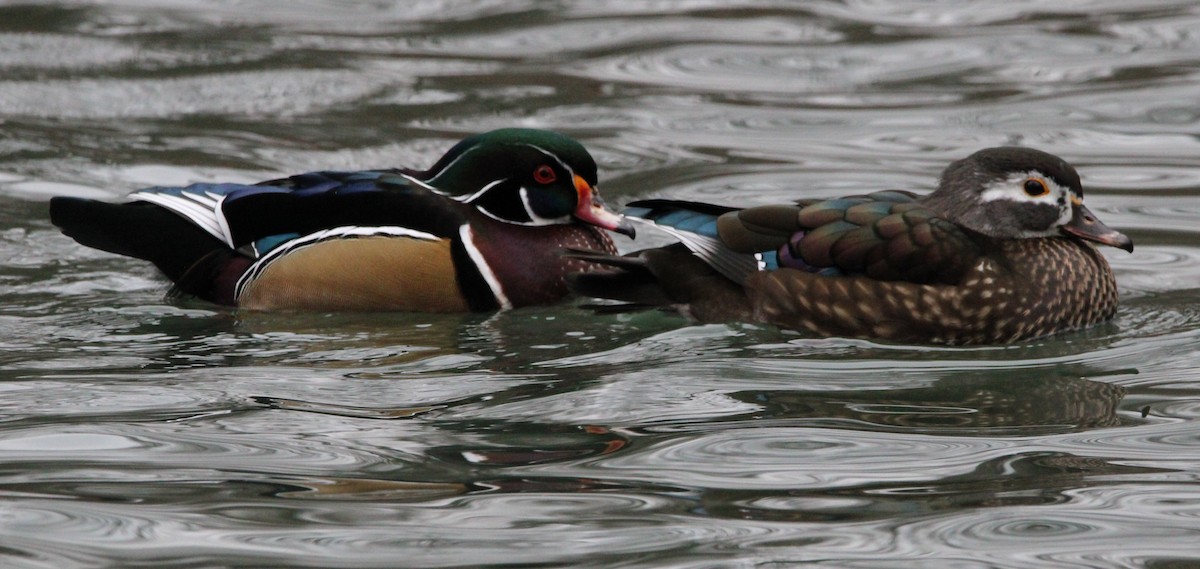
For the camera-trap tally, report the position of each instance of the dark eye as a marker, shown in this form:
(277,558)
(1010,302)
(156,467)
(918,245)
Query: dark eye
(544,174)
(1035,188)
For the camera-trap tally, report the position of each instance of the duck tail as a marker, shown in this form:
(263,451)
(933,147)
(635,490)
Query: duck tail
(628,279)
(667,277)
(189,256)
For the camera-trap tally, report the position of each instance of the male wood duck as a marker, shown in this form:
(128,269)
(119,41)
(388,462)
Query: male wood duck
(1001,251)
(480,230)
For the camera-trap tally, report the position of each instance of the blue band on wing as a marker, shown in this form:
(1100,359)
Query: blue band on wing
(264,245)
(684,220)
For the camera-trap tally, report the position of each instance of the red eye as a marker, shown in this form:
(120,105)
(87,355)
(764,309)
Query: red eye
(544,174)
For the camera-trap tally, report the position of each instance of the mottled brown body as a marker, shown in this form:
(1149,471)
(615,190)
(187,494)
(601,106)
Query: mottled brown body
(1021,289)
(1002,251)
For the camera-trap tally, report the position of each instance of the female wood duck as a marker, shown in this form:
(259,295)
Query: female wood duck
(998,253)
(480,230)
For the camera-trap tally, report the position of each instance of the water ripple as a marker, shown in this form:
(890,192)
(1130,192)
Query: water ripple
(785,70)
(435,536)
(182,445)
(1075,539)
(764,456)
(145,431)
(21,52)
(259,93)
(600,35)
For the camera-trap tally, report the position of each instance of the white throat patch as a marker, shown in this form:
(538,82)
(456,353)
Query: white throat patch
(537,219)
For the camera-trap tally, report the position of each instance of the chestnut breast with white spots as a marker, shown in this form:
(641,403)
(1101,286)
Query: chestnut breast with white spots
(527,261)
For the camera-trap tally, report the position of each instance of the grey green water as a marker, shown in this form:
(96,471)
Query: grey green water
(142,431)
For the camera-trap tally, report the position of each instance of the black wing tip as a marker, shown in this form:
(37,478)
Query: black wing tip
(626,279)
(67,211)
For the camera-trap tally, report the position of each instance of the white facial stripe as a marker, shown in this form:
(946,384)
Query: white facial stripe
(1013,189)
(525,201)
(452,163)
(483,190)
(537,219)
(420,183)
(555,157)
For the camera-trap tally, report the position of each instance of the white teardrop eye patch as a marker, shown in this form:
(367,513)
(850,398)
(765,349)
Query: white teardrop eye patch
(1036,187)
(1024,187)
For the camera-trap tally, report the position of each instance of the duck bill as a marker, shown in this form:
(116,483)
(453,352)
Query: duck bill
(1085,225)
(592,210)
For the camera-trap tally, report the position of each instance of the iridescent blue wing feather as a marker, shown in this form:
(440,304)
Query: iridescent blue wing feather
(256,218)
(887,236)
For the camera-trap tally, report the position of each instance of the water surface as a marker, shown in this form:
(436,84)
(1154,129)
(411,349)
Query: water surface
(139,430)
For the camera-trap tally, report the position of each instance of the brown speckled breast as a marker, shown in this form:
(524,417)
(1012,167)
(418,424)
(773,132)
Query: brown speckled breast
(1022,289)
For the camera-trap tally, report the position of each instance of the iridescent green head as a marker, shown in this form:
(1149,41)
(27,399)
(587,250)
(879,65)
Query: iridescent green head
(526,177)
